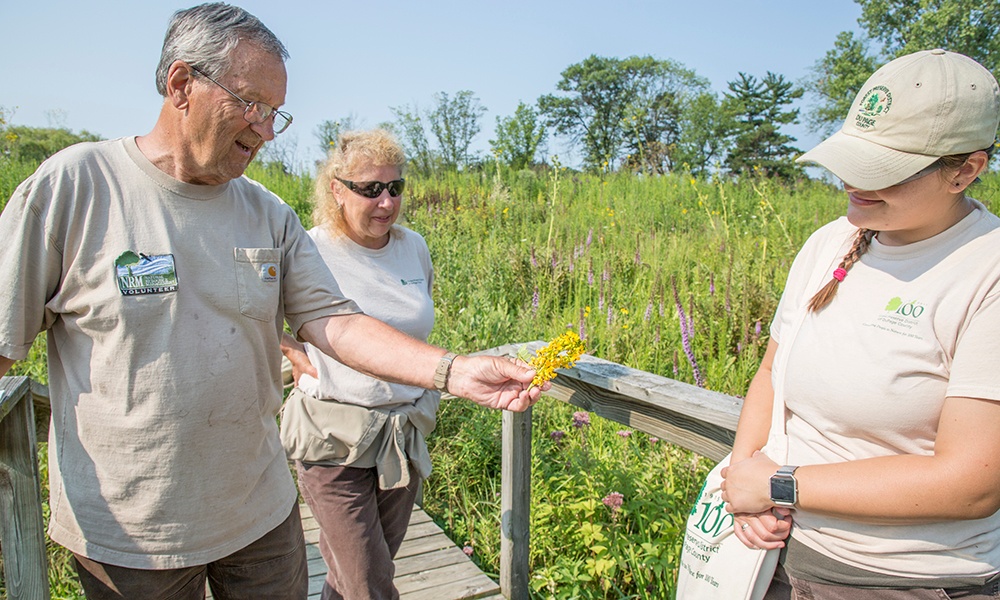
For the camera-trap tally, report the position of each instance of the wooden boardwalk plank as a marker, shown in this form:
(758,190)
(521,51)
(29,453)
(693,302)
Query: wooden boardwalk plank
(428,565)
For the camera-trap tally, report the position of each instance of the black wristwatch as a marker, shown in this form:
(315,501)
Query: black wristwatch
(784,488)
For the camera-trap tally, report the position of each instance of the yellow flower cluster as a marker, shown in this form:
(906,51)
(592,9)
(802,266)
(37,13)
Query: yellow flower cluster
(561,353)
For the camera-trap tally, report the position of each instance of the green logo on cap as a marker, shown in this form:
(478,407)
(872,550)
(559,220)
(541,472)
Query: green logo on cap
(875,103)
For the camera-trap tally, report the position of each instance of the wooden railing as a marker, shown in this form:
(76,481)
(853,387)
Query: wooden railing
(679,413)
(21,534)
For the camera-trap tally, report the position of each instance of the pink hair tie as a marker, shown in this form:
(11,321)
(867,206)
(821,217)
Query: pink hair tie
(839,274)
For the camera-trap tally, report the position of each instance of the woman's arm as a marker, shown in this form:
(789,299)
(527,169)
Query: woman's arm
(764,529)
(295,352)
(755,417)
(960,480)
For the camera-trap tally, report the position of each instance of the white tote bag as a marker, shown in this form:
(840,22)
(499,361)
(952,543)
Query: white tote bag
(715,565)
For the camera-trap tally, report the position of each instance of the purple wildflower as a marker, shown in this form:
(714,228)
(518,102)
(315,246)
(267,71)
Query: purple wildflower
(467,550)
(555,260)
(581,419)
(534,261)
(687,332)
(557,435)
(605,276)
(613,501)
(654,440)
(756,328)
(624,434)
(611,313)
(534,302)
(649,311)
(590,236)
(711,284)
(590,274)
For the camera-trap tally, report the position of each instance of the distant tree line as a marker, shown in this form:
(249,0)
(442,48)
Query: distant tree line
(650,115)
(655,116)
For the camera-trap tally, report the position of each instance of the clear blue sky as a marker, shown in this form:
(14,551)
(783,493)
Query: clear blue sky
(89,65)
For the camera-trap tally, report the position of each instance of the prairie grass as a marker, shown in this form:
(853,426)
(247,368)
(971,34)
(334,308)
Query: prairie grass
(670,275)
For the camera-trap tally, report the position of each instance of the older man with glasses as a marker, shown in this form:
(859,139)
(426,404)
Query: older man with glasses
(163,279)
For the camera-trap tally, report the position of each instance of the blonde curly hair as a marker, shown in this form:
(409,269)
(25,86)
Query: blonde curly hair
(353,151)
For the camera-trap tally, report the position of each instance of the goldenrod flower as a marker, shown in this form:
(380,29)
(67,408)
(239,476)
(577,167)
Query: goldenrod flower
(560,353)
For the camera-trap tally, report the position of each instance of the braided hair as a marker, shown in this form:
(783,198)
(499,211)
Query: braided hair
(862,240)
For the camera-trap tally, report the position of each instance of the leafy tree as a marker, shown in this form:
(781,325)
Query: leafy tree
(519,137)
(836,79)
(280,153)
(614,106)
(7,137)
(454,122)
(759,108)
(39,143)
(705,134)
(409,127)
(971,27)
(655,114)
(328,131)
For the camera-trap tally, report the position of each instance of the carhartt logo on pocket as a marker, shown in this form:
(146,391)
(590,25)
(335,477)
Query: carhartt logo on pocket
(269,272)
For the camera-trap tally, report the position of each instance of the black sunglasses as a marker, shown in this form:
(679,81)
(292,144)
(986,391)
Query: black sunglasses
(373,189)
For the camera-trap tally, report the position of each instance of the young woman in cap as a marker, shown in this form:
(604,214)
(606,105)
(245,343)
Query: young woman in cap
(884,351)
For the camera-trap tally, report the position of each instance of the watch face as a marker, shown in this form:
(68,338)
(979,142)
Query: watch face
(783,490)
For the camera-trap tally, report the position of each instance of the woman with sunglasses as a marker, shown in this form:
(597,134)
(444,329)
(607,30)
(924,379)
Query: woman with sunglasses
(884,349)
(358,442)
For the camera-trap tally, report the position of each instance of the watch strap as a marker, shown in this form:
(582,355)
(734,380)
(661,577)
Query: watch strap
(443,371)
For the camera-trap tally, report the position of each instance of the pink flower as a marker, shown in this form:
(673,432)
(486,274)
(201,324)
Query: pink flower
(581,419)
(653,440)
(613,501)
(557,435)
(467,550)
(624,433)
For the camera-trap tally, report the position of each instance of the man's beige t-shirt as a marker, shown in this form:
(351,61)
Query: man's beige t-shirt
(164,304)
(868,376)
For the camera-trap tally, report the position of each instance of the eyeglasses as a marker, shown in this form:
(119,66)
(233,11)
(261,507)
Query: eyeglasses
(255,112)
(373,189)
(934,166)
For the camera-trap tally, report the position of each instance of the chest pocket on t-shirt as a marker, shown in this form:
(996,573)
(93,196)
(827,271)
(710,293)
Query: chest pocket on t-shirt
(258,279)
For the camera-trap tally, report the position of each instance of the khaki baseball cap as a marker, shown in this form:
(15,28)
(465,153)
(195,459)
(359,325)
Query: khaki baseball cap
(912,111)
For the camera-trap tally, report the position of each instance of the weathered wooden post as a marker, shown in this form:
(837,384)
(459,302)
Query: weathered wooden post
(515,505)
(21,532)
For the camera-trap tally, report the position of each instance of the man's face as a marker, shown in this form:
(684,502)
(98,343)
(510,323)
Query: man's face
(218,142)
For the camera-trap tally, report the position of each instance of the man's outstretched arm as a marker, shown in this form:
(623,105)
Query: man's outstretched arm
(374,348)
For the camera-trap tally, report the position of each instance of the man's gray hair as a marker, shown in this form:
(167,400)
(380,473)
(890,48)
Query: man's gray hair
(205,35)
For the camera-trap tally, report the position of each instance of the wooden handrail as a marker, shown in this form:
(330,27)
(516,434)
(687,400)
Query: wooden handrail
(22,535)
(700,420)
